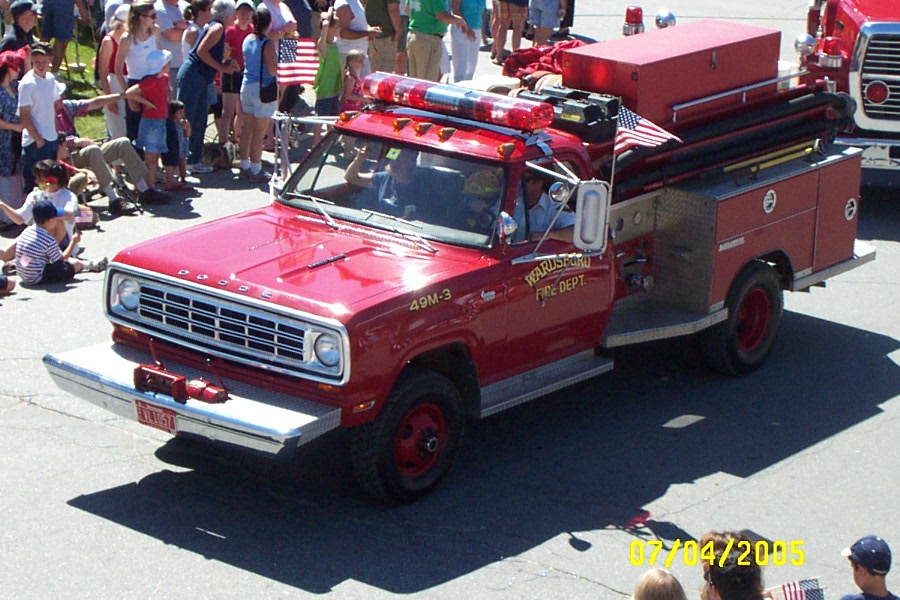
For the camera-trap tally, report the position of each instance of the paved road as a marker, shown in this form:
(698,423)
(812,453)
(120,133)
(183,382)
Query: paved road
(546,500)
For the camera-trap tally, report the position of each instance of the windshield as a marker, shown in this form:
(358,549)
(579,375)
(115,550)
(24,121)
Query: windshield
(413,191)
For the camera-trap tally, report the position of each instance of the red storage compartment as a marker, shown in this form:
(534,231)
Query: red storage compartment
(655,70)
(836,219)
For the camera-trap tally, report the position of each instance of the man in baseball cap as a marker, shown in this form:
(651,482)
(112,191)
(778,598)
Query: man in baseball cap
(870,558)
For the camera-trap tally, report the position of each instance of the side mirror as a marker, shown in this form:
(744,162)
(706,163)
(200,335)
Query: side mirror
(559,192)
(592,216)
(507,227)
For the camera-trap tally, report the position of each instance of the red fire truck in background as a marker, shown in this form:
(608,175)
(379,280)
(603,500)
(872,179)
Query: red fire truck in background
(856,45)
(398,284)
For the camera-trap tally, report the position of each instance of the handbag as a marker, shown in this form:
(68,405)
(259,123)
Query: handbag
(267,93)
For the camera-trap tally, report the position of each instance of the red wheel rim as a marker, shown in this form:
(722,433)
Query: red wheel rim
(419,439)
(753,319)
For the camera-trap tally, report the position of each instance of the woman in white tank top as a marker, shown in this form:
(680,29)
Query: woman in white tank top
(201,14)
(140,39)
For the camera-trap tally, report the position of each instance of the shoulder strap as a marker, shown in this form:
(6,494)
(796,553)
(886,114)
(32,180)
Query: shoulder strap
(262,51)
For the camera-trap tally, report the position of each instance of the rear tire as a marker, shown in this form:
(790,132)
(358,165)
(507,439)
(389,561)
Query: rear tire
(741,343)
(412,443)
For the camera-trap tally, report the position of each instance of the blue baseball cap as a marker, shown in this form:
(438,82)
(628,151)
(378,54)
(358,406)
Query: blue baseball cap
(44,210)
(870,552)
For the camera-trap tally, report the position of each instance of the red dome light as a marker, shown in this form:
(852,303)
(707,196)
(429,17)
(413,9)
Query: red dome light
(831,46)
(634,15)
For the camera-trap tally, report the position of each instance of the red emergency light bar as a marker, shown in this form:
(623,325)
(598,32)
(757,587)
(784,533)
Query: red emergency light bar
(486,107)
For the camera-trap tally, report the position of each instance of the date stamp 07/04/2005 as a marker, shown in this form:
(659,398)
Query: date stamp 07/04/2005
(762,552)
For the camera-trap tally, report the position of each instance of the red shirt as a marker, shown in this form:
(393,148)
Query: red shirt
(234,38)
(155,88)
(112,57)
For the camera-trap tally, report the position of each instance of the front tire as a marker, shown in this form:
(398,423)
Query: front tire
(412,443)
(741,343)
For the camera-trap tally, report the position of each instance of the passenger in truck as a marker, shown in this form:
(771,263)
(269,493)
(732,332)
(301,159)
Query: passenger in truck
(481,194)
(541,211)
(393,190)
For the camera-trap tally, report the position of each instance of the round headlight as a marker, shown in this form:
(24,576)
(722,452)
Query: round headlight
(129,293)
(328,350)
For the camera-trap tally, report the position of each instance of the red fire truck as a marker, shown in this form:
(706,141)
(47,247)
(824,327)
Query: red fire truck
(398,284)
(856,44)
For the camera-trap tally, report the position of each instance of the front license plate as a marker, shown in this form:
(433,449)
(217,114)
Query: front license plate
(155,416)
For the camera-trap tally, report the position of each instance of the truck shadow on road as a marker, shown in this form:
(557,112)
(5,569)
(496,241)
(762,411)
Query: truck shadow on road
(585,459)
(879,214)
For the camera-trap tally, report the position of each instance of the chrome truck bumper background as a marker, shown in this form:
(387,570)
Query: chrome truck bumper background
(253,418)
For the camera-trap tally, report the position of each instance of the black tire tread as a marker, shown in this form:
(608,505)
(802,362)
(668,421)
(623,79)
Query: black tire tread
(716,342)
(368,445)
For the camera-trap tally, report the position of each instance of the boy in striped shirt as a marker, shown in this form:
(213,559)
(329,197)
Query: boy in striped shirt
(38,255)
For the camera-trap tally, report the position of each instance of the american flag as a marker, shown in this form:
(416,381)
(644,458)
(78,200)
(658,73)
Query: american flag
(635,130)
(297,61)
(805,589)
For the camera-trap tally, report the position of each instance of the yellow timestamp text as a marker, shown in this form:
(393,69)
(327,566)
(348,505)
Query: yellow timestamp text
(762,552)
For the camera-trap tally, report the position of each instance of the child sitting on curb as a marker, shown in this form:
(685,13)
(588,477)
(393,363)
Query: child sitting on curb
(38,255)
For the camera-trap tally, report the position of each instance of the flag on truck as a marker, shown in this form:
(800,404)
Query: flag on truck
(635,130)
(298,61)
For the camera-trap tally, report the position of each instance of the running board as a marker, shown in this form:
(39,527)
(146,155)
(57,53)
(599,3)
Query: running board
(542,381)
(862,253)
(643,319)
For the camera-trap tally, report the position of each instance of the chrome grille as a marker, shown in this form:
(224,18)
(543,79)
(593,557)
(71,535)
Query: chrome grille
(882,63)
(234,327)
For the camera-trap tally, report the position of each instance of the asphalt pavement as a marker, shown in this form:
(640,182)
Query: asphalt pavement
(561,498)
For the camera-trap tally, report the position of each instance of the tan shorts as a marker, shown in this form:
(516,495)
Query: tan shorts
(510,12)
(385,54)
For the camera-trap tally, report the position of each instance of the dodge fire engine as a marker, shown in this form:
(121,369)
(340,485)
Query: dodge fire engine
(399,285)
(856,44)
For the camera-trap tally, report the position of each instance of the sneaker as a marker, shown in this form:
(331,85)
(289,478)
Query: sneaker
(121,207)
(9,269)
(200,168)
(261,177)
(152,196)
(97,266)
(244,174)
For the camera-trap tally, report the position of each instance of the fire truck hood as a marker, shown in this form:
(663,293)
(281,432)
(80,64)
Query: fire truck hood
(876,10)
(292,258)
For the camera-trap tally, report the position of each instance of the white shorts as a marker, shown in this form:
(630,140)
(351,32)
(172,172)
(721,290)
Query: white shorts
(252,105)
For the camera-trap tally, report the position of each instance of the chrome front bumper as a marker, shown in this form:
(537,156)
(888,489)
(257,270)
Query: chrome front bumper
(876,152)
(253,418)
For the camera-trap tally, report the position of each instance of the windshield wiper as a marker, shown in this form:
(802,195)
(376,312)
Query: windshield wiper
(407,234)
(316,201)
(415,236)
(391,218)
